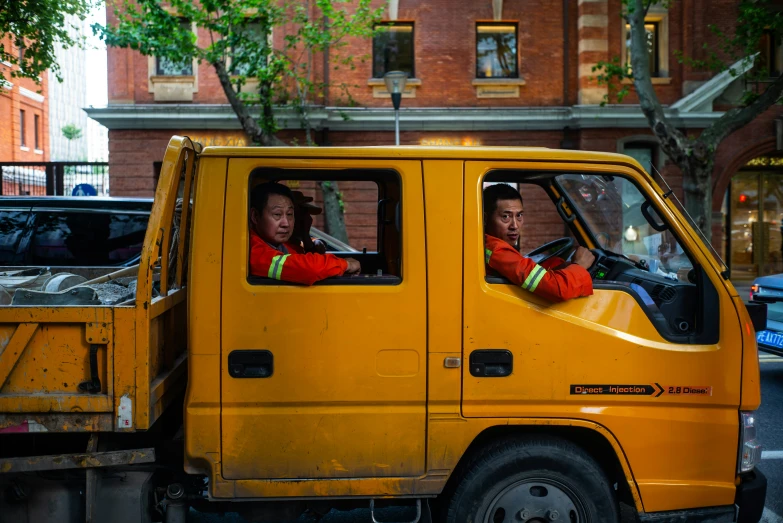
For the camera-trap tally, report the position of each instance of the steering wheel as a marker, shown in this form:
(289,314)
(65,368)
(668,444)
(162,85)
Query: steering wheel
(551,249)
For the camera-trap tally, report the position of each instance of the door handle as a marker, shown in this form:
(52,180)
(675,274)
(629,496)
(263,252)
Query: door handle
(250,364)
(491,363)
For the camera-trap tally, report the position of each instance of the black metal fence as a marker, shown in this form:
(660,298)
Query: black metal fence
(54,178)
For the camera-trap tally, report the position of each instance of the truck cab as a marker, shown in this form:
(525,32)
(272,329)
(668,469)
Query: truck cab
(428,377)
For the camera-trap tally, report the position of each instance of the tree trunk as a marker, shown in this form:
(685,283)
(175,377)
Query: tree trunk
(333,206)
(697,185)
(333,211)
(249,124)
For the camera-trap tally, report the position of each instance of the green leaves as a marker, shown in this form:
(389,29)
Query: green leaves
(267,50)
(39,27)
(612,74)
(71,132)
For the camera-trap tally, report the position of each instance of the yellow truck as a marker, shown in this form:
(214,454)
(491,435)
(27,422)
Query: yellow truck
(425,381)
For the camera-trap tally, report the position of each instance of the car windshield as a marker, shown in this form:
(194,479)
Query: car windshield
(614,210)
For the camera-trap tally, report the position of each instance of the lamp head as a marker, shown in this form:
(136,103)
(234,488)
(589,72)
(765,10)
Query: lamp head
(395,81)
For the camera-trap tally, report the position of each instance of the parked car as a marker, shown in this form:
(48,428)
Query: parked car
(768,289)
(58,231)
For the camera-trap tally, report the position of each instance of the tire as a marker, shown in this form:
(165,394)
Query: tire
(536,475)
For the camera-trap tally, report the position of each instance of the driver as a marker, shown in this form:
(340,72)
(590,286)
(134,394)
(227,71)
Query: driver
(555,279)
(271,226)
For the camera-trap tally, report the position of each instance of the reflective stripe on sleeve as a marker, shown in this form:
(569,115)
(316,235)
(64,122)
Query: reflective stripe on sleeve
(276,268)
(534,278)
(487,256)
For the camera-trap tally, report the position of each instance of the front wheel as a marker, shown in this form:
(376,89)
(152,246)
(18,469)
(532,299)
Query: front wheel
(534,480)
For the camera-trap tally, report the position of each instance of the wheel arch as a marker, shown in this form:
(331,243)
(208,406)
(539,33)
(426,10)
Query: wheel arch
(592,437)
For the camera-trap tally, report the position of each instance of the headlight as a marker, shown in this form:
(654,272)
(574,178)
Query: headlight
(750,449)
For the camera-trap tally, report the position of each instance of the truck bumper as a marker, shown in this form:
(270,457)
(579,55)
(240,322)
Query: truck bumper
(748,506)
(750,498)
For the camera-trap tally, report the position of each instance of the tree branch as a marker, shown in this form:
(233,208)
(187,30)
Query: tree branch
(739,116)
(671,139)
(249,124)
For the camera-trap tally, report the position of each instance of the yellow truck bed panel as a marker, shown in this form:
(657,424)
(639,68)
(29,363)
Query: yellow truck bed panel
(140,349)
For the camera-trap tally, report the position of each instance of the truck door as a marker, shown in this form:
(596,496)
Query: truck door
(615,357)
(328,381)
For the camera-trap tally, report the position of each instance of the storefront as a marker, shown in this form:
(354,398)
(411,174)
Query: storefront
(753,209)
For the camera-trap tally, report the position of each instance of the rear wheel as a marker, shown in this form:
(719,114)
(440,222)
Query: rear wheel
(535,480)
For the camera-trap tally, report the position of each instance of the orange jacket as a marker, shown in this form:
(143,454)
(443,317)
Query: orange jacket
(309,268)
(554,284)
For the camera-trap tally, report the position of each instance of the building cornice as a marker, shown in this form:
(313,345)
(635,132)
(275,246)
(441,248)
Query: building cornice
(32,95)
(221,117)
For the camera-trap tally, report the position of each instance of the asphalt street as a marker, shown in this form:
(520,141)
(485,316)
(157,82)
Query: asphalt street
(770,417)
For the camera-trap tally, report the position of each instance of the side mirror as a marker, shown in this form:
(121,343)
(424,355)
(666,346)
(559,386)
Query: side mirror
(758,315)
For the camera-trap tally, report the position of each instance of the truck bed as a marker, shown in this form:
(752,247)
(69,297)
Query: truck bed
(107,368)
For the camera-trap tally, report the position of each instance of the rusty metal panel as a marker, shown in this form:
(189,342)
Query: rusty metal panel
(124,372)
(15,346)
(66,422)
(98,333)
(77,461)
(55,361)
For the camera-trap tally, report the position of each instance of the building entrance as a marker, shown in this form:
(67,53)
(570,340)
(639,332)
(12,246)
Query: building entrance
(756,219)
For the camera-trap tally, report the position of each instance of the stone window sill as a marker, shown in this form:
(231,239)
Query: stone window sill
(24,148)
(38,151)
(250,87)
(172,79)
(173,88)
(379,88)
(657,80)
(497,87)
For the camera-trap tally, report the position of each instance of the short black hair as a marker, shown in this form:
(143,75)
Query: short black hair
(499,191)
(260,194)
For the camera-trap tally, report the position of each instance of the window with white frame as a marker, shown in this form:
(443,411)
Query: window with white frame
(250,47)
(496,50)
(168,67)
(392,49)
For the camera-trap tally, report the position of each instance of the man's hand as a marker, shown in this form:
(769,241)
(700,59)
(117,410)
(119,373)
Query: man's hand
(353,266)
(319,247)
(583,257)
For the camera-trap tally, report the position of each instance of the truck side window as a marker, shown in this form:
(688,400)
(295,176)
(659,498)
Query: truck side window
(637,252)
(371,206)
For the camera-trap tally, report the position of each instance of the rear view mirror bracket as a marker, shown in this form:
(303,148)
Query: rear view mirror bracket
(660,227)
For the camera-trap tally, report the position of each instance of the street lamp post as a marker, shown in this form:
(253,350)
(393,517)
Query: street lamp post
(395,84)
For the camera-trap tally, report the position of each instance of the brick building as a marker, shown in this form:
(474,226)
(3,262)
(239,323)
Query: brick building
(491,72)
(24,137)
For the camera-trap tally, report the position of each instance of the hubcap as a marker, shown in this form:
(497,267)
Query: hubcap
(536,501)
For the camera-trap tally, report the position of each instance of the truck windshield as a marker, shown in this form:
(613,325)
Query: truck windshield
(622,222)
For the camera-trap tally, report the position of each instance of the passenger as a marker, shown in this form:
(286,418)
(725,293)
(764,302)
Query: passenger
(301,242)
(272,224)
(555,280)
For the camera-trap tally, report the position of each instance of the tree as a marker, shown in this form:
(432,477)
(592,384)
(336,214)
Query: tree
(695,155)
(37,28)
(71,133)
(255,74)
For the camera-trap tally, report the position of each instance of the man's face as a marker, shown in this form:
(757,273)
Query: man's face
(275,223)
(506,221)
